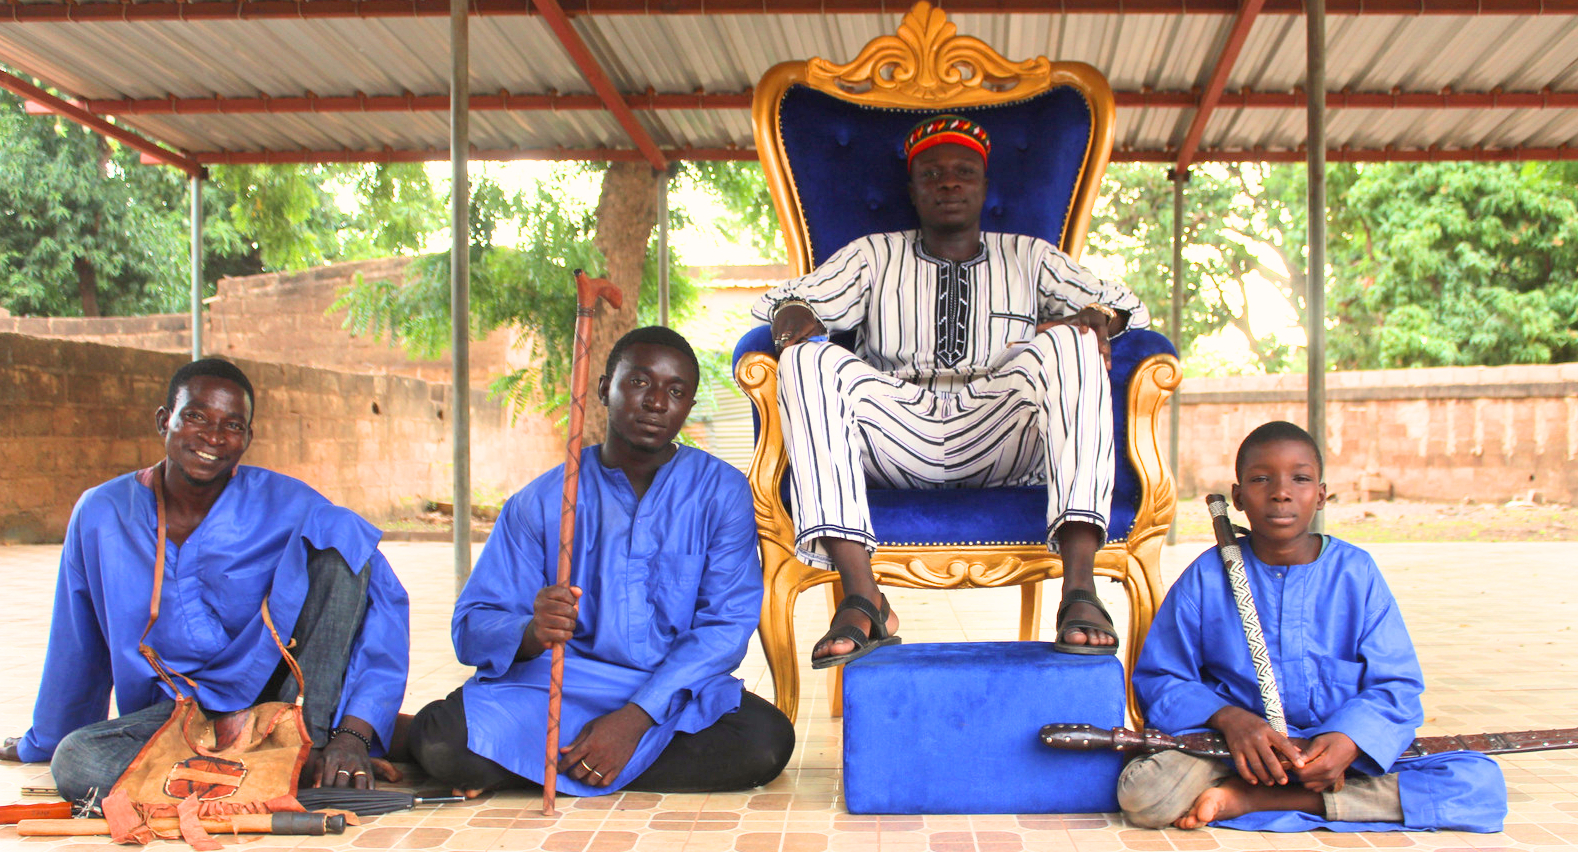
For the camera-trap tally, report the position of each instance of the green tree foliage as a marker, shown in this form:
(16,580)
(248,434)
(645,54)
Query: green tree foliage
(742,189)
(1239,219)
(1457,264)
(527,284)
(85,229)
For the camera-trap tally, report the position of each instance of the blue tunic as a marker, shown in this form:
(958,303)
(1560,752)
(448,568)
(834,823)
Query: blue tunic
(210,627)
(1344,662)
(671,590)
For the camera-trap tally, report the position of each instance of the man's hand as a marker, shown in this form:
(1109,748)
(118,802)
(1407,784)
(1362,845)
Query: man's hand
(553,620)
(8,749)
(793,324)
(1326,762)
(344,762)
(1099,324)
(1258,751)
(604,746)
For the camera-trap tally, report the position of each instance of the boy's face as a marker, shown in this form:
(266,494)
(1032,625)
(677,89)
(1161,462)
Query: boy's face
(648,396)
(1279,489)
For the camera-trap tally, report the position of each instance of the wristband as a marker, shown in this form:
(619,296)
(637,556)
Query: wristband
(780,305)
(1105,311)
(342,730)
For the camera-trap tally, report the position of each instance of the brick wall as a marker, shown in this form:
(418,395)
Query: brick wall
(1485,433)
(280,317)
(74,414)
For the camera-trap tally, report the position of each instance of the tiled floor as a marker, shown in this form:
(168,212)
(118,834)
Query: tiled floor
(1493,623)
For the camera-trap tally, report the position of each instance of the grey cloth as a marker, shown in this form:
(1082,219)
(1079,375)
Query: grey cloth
(1156,789)
(90,759)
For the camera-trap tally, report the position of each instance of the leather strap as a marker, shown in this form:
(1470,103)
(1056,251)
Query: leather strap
(152,656)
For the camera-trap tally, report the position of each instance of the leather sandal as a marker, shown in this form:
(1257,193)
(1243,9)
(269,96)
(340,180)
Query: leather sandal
(865,642)
(1074,596)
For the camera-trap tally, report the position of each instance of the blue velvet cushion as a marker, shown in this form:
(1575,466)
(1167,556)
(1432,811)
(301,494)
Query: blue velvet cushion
(847,164)
(954,729)
(999,515)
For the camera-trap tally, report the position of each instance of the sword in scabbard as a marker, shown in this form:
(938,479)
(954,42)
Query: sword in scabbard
(1212,744)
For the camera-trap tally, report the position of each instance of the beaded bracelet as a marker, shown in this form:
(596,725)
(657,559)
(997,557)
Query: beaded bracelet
(365,741)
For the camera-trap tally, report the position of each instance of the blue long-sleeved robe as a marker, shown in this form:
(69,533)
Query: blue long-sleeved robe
(1344,662)
(671,591)
(210,627)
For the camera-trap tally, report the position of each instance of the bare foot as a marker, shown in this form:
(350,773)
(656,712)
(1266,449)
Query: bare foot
(1220,802)
(854,618)
(469,794)
(1235,797)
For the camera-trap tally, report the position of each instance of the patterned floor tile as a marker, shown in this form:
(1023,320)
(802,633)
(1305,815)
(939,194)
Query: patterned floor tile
(1528,682)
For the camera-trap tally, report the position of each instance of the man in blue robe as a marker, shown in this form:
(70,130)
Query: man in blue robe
(1347,674)
(236,536)
(666,588)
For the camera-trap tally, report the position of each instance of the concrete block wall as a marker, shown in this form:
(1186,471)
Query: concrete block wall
(282,317)
(1449,433)
(75,414)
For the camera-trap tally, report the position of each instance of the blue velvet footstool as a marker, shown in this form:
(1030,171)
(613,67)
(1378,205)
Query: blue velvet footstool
(954,728)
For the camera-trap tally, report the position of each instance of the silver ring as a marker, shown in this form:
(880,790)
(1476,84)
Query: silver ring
(343,772)
(598,774)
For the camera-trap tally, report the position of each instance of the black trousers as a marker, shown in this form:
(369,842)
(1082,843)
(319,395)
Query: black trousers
(743,749)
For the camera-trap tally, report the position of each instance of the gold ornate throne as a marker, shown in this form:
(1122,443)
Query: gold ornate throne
(830,140)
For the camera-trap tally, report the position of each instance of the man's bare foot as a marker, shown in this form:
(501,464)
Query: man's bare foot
(852,617)
(469,794)
(1234,798)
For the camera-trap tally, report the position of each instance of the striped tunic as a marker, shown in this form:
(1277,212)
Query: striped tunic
(949,385)
(940,323)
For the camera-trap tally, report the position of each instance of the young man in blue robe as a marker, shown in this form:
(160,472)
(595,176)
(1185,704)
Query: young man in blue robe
(235,537)
(1348,676)
(666,589)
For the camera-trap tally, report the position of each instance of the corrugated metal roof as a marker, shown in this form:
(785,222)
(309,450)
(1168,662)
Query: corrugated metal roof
(728,53)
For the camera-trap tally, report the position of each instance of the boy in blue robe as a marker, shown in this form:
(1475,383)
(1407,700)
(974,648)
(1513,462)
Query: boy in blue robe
(666,589)
(235,537)
(1346,669)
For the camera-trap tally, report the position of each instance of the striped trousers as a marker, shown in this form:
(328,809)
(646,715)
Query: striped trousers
(1045,415)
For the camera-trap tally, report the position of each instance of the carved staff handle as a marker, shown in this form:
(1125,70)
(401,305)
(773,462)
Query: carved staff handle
(587,292)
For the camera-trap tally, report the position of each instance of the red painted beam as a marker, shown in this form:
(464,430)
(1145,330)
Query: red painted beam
(509,102)
(553,15)
(150,149)
(1218,81)
(501,101)
(230,158)
(1337,155)
(221,10)
(1359,155)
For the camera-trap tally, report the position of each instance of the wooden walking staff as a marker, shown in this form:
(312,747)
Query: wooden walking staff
(587,291)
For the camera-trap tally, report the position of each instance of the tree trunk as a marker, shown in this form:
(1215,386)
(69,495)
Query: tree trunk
(626,214)
(87,286)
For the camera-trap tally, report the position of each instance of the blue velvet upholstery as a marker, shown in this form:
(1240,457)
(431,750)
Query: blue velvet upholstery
(847,164)
(954,728)
(1005,515)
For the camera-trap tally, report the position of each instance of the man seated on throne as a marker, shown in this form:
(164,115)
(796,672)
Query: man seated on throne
(980,360)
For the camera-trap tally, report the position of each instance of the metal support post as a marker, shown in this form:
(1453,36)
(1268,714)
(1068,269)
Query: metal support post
(1179,177)
(460,279)
(197,265)
(1315,88)
(662,245)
